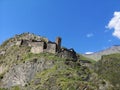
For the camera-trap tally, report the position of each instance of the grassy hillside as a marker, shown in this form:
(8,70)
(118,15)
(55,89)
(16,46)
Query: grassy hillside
(81,57)
(22,70)
(64,74)
(109,68)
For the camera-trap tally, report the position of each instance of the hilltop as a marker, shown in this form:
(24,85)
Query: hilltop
(39,44)
(32,62)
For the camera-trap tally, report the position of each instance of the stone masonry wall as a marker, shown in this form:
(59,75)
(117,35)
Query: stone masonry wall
(51,48)
(37,47)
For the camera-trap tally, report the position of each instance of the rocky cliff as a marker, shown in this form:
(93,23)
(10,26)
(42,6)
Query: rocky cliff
(21,69)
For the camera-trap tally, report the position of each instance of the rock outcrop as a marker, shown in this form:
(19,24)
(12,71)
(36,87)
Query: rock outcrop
(23,73)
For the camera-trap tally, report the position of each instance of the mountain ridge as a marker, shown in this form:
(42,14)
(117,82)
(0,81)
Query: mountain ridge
(97,55)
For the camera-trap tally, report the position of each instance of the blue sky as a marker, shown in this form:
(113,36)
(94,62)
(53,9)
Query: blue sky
(85,25)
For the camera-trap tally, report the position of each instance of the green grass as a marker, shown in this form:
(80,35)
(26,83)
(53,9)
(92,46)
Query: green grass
(109,68)
(70,76)
(5,43)
(16,88)
(3,89)
(61,75)
(81,57)
(48,56)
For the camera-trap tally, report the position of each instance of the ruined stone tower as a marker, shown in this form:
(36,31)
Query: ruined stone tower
(58,42)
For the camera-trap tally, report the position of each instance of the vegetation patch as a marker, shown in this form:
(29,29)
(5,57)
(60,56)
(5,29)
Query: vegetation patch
(81,57)
(109,68)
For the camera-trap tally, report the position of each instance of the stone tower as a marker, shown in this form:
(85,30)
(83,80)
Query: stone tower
(58,42)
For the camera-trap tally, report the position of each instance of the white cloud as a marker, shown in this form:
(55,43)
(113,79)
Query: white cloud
(89,52)
(106,30)
(89,35)
(114,23)
(109,40)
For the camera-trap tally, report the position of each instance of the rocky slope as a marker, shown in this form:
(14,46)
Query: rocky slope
(97,55)
(109,68)
(22,70)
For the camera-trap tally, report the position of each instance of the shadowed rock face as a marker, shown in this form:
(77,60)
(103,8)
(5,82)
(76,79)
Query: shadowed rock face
(68,54)
(97,56)
(23,73)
